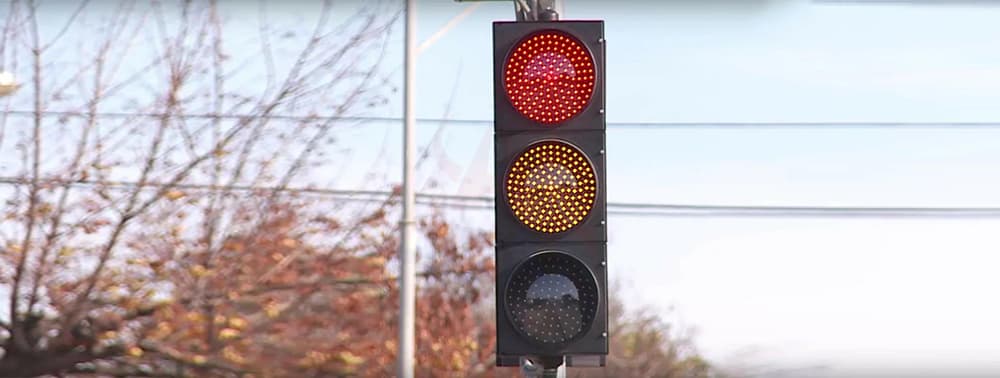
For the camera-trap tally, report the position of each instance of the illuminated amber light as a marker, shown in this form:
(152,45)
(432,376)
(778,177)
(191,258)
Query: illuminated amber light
(549,77)
(551,187)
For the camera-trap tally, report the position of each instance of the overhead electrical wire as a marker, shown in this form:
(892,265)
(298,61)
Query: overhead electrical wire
(614,208)
(636,125)
(618,208)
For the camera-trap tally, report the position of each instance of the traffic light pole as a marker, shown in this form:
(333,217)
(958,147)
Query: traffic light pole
(531,10)
(407,252)
(532,369)
(537,10)
(553,367)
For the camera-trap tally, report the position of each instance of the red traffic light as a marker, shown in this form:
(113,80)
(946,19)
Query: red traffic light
(549,77)
(550,209)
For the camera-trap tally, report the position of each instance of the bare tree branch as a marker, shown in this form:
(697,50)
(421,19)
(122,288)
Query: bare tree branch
(147,226)
(65,28)
(18,336)
(81,149)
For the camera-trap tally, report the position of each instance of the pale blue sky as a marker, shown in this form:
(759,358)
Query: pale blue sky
(852,294)
(868,295)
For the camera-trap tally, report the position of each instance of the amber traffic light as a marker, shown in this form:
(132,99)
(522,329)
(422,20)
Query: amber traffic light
(550,189)
(551,186)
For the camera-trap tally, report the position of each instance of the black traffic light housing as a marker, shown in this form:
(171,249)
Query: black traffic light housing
(584,244)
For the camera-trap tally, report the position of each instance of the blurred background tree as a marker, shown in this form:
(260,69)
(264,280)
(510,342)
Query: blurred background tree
(643,344)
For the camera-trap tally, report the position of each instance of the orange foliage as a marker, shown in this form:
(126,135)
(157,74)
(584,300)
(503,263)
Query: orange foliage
(284,299)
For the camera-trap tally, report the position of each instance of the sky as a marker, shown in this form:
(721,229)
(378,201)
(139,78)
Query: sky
(835,296)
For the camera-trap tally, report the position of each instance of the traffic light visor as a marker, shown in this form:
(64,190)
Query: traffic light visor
(549,77)
(552,298)
(551,186)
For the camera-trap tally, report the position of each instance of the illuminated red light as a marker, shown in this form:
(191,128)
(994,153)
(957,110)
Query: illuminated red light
(549,77)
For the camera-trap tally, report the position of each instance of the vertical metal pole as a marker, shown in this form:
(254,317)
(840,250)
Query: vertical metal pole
(544,367)
(407,258)
(559,6)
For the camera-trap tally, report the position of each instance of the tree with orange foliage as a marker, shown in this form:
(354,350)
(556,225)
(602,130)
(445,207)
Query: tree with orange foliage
(281,300)
(643,344)
(156,221)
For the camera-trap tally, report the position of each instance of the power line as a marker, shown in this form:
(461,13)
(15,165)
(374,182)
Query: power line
(614,208)
(481,122)
(638,209)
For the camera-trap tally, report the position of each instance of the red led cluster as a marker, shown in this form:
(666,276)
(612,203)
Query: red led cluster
(549,77)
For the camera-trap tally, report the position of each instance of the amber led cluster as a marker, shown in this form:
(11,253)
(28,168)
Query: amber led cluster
(551,186)
(549,77)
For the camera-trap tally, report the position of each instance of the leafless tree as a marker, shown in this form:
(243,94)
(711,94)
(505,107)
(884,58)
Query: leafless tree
(128,108)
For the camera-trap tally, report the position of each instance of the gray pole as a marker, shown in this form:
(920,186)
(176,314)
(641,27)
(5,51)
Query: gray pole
(551,372)
(408,252)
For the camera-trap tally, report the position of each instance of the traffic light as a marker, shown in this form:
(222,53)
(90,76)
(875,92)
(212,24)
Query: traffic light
(550,190)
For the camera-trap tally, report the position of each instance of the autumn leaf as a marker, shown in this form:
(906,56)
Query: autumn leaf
(200,271)
(350,358)
(237,323)
(174,195)
(228,333)
(135,351)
